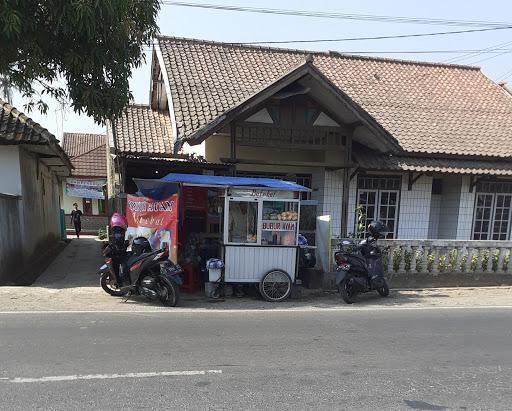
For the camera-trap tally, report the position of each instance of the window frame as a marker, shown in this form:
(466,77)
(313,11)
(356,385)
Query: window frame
(492,217)
(378,191)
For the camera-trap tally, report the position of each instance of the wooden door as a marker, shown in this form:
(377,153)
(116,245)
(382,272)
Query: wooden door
(87,206)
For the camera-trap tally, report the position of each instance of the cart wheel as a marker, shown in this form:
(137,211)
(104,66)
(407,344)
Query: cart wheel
(275,286)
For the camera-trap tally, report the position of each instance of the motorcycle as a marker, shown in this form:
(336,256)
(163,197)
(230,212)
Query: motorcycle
(359,266)
(147,272)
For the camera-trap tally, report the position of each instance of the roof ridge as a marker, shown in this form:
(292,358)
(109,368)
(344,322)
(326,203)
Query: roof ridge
(89,151)
(336,54)
(139,105)
(67,133)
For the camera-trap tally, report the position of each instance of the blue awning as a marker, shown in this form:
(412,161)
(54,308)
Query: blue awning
(155,188)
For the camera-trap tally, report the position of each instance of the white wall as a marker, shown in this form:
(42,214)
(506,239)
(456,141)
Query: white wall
(450,204)
(333,199)
(68,201)
(328,191)
(415,208)
(467,203)
(10,174)
(352,204)
(435,211)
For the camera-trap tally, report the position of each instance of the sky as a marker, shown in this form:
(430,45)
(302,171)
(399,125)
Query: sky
(230,26)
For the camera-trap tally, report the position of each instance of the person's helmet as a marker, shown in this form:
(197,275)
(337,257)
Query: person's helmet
(118,220)
(140,245)
(378,229)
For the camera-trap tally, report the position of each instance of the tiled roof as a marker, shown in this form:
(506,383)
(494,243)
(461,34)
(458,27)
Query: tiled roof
(88,153)
(143,131)
(368,160)
(426,107)
(16,128)
(75,144)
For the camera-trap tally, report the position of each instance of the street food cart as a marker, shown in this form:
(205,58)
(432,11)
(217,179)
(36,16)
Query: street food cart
(259,229)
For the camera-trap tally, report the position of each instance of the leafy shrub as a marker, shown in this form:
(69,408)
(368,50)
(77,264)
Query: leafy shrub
(102,234)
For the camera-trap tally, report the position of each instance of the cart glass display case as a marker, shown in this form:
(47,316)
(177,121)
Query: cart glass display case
(279,223)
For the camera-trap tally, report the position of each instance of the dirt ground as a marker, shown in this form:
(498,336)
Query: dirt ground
(70,283)
(95,299)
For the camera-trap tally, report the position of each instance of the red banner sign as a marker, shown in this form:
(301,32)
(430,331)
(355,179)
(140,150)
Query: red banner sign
(157,220)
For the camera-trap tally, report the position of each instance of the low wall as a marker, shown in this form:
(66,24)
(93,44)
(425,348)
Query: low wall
(11,250)
(444,263)
(90,223)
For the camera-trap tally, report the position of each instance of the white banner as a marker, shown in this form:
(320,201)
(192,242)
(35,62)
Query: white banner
(85,188)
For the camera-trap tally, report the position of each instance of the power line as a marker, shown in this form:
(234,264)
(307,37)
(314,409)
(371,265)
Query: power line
(505,75)
(398,36)
(488,58)
(477,53)
(343,16)
(496,51)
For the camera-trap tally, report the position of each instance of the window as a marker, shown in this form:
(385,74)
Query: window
(378,200)
(243,222)
(279,225)
(492,216)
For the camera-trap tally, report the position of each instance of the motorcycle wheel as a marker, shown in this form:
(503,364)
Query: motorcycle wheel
(109,286)
(347,291)
(384,290)
(172,296)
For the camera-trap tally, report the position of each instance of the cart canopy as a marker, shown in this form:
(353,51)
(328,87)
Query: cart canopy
(157,188)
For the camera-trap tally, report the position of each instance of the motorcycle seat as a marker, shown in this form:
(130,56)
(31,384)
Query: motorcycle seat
(134,258)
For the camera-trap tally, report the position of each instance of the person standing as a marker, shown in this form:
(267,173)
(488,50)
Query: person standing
(76,219)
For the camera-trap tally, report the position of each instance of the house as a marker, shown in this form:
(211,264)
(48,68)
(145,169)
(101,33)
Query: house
(86,185)
(31,166)
(424,147)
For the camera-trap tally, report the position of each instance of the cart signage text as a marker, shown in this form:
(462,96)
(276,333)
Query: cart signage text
(273,225)
(271,194)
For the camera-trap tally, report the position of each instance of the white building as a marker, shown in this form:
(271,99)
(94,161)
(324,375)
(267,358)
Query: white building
(31,167)
(87,184)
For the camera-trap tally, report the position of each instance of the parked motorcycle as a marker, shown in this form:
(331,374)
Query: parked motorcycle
(359,266)
(141,271)
(149,274)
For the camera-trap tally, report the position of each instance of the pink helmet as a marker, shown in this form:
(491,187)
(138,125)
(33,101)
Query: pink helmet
(118,220)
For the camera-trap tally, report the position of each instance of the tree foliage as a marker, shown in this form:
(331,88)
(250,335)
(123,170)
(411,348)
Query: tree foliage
(93,45)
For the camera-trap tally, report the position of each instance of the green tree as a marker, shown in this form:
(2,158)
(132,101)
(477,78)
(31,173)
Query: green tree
(93,45)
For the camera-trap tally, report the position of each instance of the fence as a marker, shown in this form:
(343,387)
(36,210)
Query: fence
(90,223)
(436,257)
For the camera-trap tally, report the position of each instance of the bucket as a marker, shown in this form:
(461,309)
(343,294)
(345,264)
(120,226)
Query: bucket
(214,274)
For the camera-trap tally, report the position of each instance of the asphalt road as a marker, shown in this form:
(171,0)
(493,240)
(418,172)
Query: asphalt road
(388,359)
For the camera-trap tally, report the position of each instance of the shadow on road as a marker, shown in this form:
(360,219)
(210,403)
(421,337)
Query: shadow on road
(76,266)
